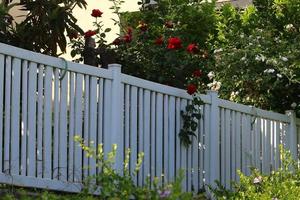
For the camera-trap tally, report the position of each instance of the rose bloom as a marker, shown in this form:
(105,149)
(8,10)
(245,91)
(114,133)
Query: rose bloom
(129,31)
(117,41)
(142,26)
(169,24)
(191,89)
(197,73)
(174,43)
(127,38)
(159,41)
(89,33)
(96,13)
(192,48)
(73,35)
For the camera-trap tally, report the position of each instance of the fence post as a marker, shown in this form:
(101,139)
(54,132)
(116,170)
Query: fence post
(213,141)
(117,113)
(292,133)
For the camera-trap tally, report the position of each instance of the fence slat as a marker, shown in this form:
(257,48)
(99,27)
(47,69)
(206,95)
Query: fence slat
(133,129)
(47,132)
(206,154)
(277,143)
(32,122)
(227,148)
(147,135)
(127,116)
(100,116)
(159,134)
(86,127)
(238,142)
(223,147)
(166,139)
(233,145)
(71,110)
(2,71)
(183,104)
(153,131)
(178,144)
(40,99)
(171,137)
(15,116)
(78,127)
(93,121)
(201,149)
(140,131)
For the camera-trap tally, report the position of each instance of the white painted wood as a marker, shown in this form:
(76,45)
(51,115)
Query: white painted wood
(292,131)
(71,131)
(127,116)
(47,132)
(183,152)
(107,116)
(140,132)
(2,72)
(201,146)
(117,113)
(171,139)
(100,116)
(78,127)
(238,143)
(55,161)
(195,159)
(159,134)
(233,145)
(165,151)
(277,143)
(227,149)
(40,98)
(86,123)
(178,144)
(147,134)
(258,147)
(223,147)
(133,130)
(249,158)
(7,119)
(63,131)
(15,116)
(24,118)
(214,150)
(93,123)
(32,86)
(153,131)
(206,143)
(52,61)
(268,147)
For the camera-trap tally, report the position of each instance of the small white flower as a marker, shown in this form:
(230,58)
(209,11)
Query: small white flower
(243,58)
(218,50)
(250,44)
(269,71)
(260,57)
(215,85)
(284,59)
(279,75)
(293,105)
(211,75)
(257,180)
(289,27)
(242,35)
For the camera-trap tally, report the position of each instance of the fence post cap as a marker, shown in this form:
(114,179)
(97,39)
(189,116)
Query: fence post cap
(114,65)
(289,112)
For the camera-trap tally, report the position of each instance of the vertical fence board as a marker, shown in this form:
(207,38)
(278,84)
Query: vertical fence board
(100,116)
(15,116)
(227,148)
(178,146)
(184,152)
(2,71)
(147,135)
(223,146)
(47,132)
(127,117)
(277,143)
(40,98)
(206,154)
(133,130)
(153,145)
(166,139)
(32,119)
(141,131)
(86,134)
(107,116)
(55,168)
(171,137)
(233,145)
(78,127)
(71,120)
(7,119)
(201,149)
(238,142)
(159,134)
(92,123)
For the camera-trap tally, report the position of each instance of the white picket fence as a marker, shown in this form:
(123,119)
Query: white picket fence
(42,111)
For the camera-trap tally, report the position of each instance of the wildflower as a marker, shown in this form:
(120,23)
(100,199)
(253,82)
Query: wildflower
(96,13)
(215,85)
(197,73)
(205,55)
(284,59)
(269,71)
(73,34)
(117,41)
(191,89)
(192,48)
(218,50)
(257,180)
(260,57)
(164,194)
(290,27)
(294,105)
(89,33)
(174,43)
(279,75)
(211,75)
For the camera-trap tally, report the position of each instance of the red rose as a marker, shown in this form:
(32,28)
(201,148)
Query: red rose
(191,89)
(96,13)
(142,26)
(169,24)
(127,38)
(197,73)
(192,48)
(117,41)
(129,31)
(159,41)
(89,33)
(174,43)
(73,35)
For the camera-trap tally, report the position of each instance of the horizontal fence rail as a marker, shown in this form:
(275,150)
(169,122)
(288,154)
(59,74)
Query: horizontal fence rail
(45,104)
